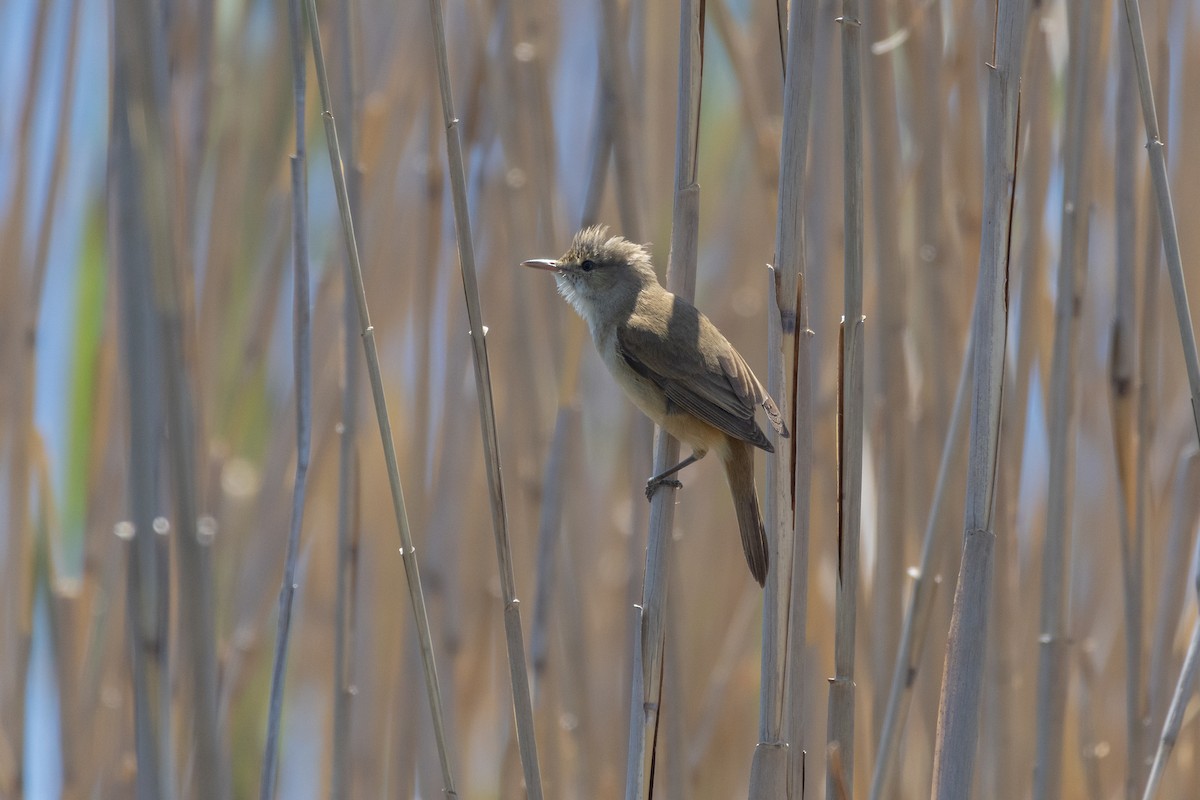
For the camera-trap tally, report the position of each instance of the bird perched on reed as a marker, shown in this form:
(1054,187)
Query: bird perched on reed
(675,366)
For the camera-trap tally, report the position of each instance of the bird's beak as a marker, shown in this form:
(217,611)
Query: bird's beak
(541,263)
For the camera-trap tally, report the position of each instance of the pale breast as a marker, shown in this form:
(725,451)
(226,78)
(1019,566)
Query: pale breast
(645,395)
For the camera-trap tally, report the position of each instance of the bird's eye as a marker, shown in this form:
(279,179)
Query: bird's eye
(587,265)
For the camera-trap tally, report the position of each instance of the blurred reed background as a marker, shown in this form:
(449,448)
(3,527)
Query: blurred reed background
(149,447)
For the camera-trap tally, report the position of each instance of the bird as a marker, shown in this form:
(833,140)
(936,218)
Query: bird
(675,366)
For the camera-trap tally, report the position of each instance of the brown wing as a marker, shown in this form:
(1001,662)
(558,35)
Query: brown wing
(701,373)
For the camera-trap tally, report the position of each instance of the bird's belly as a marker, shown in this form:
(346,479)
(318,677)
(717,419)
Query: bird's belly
(652,401)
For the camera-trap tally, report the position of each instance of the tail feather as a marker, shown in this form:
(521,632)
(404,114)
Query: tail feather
(739,472)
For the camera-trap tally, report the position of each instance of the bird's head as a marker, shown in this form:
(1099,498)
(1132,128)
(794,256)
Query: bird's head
(600,275)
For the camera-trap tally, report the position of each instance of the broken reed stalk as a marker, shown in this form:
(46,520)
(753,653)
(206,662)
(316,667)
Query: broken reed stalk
(850,407)
(1054,639)
(302,367)
(919,611)
(367,331)
(958,708)
(514,637)
(646,688)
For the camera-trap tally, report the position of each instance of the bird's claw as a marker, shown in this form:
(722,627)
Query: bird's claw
(653,484)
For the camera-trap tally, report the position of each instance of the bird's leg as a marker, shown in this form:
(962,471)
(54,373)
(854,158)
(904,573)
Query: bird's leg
(664,478)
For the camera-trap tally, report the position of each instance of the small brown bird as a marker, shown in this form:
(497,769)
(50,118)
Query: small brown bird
(675,366)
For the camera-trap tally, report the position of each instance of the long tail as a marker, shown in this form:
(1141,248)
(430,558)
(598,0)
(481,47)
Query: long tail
(739,472)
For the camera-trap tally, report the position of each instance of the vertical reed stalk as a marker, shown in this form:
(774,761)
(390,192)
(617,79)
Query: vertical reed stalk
(786,602)
(1054,641)
(143,608)
(1149,376)
(140,48)
(1122,385)
(302,366)
(1156,149)
(773,770)
(958,710)
(646,689)
(514,637)
(850,410)
(367,331)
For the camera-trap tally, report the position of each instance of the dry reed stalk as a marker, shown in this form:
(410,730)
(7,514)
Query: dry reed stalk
(146,144)
(302,375)
(616,108)
(934,244)
(769,773)
(165,206)
(411,568)
(646,689)
(1174,261)
(1124,394)
(850,407)
(670,763)
(514,637)
(144,585)
(1054,638)
(1149,388)
(1166,213)
(777,767)
(958,711)
(1001,774)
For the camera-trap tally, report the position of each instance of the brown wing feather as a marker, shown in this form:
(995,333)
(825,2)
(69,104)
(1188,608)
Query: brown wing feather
(720,390)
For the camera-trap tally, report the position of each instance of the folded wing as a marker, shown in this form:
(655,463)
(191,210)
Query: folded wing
(707,378)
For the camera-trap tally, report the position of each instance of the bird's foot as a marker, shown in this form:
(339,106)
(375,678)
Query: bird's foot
(653,484)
